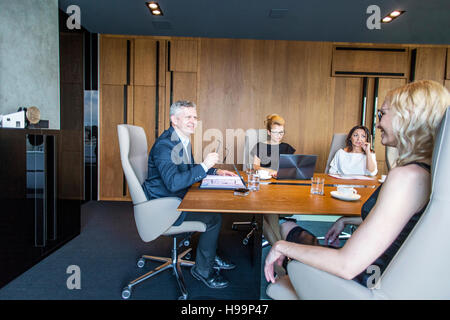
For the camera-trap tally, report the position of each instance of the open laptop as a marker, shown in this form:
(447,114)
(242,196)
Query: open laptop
(296,166)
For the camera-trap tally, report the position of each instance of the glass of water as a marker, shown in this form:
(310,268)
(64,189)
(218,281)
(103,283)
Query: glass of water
(317,185)
(253,181)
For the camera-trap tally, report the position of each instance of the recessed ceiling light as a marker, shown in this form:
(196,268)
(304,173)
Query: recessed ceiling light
(154,7)
(393,15)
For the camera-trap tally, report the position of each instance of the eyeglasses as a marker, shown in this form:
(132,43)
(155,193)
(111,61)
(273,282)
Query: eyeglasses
(380,115)
(277,132)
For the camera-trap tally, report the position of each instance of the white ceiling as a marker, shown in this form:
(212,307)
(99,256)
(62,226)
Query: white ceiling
(425,22)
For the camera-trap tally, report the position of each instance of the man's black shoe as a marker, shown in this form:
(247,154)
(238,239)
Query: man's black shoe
(214,281)
(222,264)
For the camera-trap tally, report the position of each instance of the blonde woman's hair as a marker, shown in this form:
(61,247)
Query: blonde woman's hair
(417,109)
(274,119)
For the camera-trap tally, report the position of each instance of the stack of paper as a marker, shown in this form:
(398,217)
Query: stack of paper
(351,177)
(222,182)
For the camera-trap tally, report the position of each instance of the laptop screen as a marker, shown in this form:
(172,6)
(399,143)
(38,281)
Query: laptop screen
(296,166)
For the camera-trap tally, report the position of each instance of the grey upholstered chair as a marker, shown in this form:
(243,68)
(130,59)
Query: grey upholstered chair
(419,270)
(338,142)
(155,217)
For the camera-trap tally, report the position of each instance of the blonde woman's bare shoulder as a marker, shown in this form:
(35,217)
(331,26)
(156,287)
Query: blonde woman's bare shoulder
(407,174)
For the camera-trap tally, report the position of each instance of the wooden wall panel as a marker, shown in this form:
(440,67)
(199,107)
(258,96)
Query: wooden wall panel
(430,64)
(242,81)
(111,114)
(184,86)
(113,60)
(183,55)
(145,62)
(448,64)
(145,111)
(347,103)
(447,84)
(370,60)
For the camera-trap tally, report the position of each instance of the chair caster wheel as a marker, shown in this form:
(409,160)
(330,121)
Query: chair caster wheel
(126,293)
(188,256)
(245,242)
(186,243)
(141,263)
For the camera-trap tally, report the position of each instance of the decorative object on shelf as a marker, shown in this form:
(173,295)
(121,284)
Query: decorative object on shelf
(33,114)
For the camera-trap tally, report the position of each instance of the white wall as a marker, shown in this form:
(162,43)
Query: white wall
(29,57)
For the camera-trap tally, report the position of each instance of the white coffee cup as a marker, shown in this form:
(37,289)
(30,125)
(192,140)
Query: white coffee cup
(263,174)
(346,190)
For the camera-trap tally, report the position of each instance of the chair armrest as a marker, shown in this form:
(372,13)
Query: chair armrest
(311,283)
(155,217)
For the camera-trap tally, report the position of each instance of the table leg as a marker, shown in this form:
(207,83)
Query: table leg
(256,256)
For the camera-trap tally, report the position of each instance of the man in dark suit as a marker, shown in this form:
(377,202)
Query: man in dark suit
(171,171)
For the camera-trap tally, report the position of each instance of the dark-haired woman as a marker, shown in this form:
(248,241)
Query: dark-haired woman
(356,157)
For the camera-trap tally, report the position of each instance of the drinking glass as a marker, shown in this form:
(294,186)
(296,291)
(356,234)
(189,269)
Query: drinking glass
(317,185)
(253,181)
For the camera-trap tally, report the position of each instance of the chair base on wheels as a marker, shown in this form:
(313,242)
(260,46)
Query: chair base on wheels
(174,263)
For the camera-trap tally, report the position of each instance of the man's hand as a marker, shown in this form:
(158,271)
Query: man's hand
(221,172)
(211,159)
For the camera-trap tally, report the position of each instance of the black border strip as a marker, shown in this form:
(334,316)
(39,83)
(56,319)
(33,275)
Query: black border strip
(364,101)
(360,73)
(157,91)
(370,49)
(412,73)
(128,61)
(375,108)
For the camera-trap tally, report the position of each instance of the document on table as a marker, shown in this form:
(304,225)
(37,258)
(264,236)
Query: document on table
(222,182)
(351,177)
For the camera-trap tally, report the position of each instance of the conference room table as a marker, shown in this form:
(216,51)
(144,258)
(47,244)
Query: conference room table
(286,197)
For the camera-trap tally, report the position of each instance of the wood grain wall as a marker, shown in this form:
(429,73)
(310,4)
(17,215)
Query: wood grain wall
(236,83)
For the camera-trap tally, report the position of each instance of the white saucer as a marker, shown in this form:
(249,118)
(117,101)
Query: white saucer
(268,178)
(381,180)
(345,197)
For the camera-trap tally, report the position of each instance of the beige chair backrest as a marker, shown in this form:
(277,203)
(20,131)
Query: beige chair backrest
(155,217)
(420,268)
(134,158)
(338,142)
(252,137)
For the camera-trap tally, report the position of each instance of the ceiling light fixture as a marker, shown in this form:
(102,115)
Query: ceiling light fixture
(154,7)
(393,15)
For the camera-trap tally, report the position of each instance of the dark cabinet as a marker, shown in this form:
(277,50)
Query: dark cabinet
(35,217)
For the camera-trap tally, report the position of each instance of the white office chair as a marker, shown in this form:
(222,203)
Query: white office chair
(155,217)
(419,270)
(338,142)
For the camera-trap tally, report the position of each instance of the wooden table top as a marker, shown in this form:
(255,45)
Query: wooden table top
(279,199)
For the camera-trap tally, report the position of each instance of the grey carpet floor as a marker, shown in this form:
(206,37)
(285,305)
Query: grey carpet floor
(106,252)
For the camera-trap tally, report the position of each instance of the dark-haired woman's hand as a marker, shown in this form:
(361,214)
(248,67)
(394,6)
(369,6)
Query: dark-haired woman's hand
(366,147)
